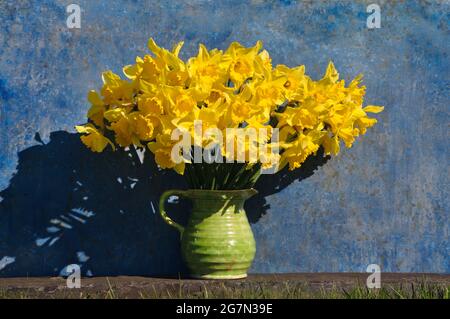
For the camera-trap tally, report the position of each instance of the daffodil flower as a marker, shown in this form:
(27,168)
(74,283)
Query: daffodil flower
(237,88)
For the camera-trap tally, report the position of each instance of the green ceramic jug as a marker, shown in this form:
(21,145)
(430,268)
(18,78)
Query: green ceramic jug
(217,242)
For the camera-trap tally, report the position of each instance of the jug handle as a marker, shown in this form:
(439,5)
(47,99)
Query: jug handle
(162,211)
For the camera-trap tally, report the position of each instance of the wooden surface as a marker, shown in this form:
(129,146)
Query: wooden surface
(312,280)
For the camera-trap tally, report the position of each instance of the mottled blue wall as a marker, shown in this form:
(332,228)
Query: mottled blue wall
(384,201)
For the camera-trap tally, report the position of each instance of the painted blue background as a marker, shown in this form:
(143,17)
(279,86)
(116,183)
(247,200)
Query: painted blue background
(384,201)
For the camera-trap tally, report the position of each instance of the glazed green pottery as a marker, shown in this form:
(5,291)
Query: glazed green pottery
(217,242)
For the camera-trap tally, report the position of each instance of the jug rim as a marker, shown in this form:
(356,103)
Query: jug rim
(227,193)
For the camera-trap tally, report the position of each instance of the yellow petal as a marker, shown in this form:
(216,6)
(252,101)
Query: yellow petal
(331,74)
(114,114)
(94,98)
(373,109)
(331,145)
(95,114)
(93,139)
(179,168)
(153,46)
(84,129)
(110,77)
(130,71)
(176,50)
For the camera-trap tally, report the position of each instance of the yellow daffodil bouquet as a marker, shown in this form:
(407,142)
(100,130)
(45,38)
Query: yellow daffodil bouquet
(223,117)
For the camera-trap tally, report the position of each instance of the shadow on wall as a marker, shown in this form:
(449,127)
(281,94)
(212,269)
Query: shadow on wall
(66,205)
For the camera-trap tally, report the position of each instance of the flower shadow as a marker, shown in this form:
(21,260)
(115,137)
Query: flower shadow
(66,205)
(269,184)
